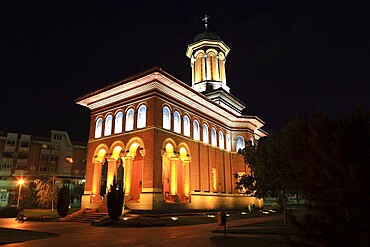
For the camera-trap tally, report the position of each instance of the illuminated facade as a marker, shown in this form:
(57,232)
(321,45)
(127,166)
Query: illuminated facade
(177,144)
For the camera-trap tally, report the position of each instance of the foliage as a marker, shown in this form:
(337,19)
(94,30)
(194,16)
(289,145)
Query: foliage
(115,199)
(327,161)
(9,212)
(77,191)
(46,192)
(64,198)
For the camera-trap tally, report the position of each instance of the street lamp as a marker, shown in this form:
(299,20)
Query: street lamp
(20,182)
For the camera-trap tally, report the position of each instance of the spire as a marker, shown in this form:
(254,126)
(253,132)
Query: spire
(205,19)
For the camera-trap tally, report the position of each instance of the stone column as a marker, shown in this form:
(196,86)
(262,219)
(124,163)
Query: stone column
(96,178)
(111,171)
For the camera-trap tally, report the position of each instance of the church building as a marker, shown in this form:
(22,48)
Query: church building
(177,144)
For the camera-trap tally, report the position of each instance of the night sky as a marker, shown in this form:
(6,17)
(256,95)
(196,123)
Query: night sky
(285,59)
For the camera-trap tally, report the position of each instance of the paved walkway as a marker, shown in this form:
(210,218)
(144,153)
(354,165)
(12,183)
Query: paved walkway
(85,235)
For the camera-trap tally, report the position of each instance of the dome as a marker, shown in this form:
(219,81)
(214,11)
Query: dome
(206,35)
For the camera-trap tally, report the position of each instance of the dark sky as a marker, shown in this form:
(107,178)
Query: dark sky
(286,58)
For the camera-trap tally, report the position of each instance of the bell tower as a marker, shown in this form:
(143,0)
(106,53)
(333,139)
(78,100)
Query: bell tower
(207,56)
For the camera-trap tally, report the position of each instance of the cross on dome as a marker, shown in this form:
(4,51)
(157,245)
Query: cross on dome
(205,19)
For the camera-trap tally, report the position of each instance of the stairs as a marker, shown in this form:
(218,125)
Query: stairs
(88,216)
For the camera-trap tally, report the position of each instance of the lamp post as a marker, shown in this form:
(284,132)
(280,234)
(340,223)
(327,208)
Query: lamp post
(20,182)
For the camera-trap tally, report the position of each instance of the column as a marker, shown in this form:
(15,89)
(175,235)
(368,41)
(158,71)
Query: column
(111,171)
(96,178)
(173,176)
(128,174)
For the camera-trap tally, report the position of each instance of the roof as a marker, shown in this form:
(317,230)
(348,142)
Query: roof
(206,35)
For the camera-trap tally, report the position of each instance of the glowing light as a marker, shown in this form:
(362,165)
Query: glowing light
(265,212)
(20,181)
(174,218)
(69,159)
(210,216)
(244,213)
(126,218)
(227,215)
(272,211)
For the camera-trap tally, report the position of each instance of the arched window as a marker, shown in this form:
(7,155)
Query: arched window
(130,120)
(205,133)
(166,118)
(118,123)
(196,135)
(213,137)
(228,142)
(176,122)
(221,139)
(141,117)
(186,126)
(240,144)
(98,127)
(108,125)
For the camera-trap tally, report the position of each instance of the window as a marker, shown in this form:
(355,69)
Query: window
(22,156)
(196,130)
(118,123)
(228,142)
(24,144)
(141,117)
(186,126)
(6,166)
(176,122)
(10,143)
(213,136)
(98,128)
(240,145)
(205,133)
(43,168)
(166,118)
(130,120)
(8,155)
(108,125)
(221,140)
(57,137)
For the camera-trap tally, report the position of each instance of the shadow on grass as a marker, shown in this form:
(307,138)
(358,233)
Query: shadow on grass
(15,236)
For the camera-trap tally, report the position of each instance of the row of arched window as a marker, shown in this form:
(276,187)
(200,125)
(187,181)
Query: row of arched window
(118,122)
(224,141)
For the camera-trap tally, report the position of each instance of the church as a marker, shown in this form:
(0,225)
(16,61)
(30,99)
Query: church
(176,144)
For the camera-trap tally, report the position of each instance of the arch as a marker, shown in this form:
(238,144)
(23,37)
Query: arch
(205,133)
(116,150)
(196,134)
(199,66)
(240,143)
(130,119)
(228,142)
(186,123)
(175,171)
(176,122)
(108,125)
(118,123)
(98,127)
(221,141)
(213,137)
(141,117)
(133,167)
(166,117)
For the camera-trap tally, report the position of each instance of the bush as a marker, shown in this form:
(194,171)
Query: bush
(115,200)
(9,212)
(251,208)
(64,197)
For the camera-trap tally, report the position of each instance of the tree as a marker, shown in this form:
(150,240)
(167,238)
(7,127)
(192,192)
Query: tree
(115,200)
(271,174)
(46,192)
(64,198)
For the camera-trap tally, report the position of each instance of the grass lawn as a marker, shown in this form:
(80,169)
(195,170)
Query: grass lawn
(14,236)
(37,214)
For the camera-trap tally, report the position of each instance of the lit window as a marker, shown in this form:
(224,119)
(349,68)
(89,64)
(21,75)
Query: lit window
(196,130)
(108,126)
(166,118)
(213,136)
(176,122)
(240,145)
(186,126)
(228,142)
(205,133)
(129,120)
(221,140)
(141,117)
(118,123)
(98,128)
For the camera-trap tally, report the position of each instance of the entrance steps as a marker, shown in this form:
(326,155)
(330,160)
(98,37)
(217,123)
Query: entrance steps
(88,216)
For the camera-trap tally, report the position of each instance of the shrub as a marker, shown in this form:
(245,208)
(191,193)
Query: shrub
(115,199)
(251,207)
(9,212)
(64,197)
